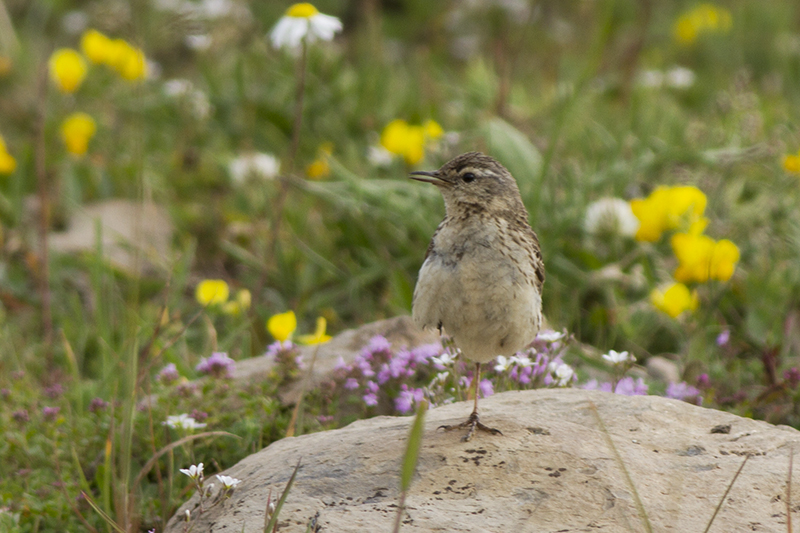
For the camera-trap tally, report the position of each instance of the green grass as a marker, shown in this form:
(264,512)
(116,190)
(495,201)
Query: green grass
(556,99)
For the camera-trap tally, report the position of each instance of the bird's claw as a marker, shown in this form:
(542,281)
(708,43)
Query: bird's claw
(472,423)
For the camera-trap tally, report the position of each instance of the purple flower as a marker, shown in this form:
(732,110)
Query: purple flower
(628,387)
(423,353)
(168,374)
(324,419)
(592,384)
(278,347)
(486,388)
(372,387)
(50,413)
(351,384)
(724,337)
(199,416)
(54,391)
(703,381)
(404,401)
(21,416)
(371,399)
(792,377)
(97,404)
(219,365)
(378,344)
(681,391)
(5,393)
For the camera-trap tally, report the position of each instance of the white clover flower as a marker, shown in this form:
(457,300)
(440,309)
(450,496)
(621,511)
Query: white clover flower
(564,374)
(228,482)
(258,165)
(183,421)
(617,358)
(303,21)
(610,216)
(549,336)
(502,363)
(195,472)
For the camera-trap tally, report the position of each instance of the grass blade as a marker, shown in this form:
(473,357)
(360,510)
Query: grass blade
(273,522)
(722,500)
(410,459)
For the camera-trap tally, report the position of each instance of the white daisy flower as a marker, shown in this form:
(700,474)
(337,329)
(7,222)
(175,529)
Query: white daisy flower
(610,216)
(303,21)
(379,156)
(680,77)
(522,361)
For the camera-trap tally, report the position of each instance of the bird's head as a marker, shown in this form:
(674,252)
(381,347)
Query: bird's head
(474,182)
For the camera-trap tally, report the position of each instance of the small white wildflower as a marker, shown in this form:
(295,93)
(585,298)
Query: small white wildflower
(195,472)
(650,78)
(303,21)
(549,336)
(441,377)
(610,216)
(445,359)
(200,42)
(183,421)
(379,156)
(564,374)
(258,165)
(617,358)
(228,482)
(187,515)
(680,78)
(502,363)
(177,87)
(522,361)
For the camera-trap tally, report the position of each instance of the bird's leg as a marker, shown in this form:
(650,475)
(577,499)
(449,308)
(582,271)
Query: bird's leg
(473,422)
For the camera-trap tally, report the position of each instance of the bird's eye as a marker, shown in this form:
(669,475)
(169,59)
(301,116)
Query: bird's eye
(468,177)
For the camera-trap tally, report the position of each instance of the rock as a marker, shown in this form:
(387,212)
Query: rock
(553,469)
(399,331)
(135,236)
(662,369)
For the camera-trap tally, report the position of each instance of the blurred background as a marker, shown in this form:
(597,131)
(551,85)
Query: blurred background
(148,146)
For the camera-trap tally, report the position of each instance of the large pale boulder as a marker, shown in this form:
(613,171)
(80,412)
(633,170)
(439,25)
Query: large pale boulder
(568,460)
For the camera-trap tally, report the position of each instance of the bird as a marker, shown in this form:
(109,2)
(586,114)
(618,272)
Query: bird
(482,277)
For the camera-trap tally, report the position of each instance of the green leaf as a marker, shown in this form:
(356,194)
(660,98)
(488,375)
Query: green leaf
(412,451)
(517,153)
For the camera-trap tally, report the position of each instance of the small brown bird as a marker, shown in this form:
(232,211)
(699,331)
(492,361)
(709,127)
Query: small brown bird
(483,272)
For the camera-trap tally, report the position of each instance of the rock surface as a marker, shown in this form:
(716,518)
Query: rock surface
(553,470)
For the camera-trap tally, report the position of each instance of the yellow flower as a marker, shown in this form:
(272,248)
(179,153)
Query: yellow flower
(212,292)
(302,11)
(791,163)
(701,258)
(320,168)
(127,60)
(674,300)
(318,337)
(67,69)
(281,326)
(7,162)
(669,208)
(241,302)
(401,138)
(703,18)
(96,46)
(432,129)
(76,132)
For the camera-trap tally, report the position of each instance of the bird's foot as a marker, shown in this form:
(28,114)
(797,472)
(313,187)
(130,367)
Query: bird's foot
(472,423)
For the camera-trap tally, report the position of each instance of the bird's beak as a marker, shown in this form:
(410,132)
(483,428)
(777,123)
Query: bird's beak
(429,177)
